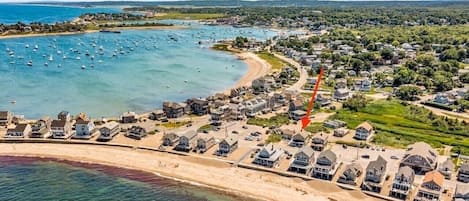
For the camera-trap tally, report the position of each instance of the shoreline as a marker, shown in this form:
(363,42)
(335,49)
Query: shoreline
(175,27)
(257,68)
(242,181)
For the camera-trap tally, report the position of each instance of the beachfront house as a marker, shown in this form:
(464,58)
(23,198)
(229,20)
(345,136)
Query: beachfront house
(402,183)
(263,84)
(199,106)
(136,132)
(108,131)
(252,107)
(268,156)
(204,143)
(128,117)
(5,118)
(351,174)
(299,139)
(41,128)
(173,110)
(364,131)
(431,187)
(157,115)
(421,157)
(446,168)
(463,173)
(319,141)
(325,166)
(84,129)
(64,115)
(61,129)
(375,173)
(20,131)
(169,139)
(303,161)
(187,141)
(228,145)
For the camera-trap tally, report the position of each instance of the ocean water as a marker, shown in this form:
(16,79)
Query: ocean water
(46,179)
(149,67)
(12,13)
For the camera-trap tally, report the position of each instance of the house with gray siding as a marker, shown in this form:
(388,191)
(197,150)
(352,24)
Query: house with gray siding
(325,166)
(303,161)
(351,174)
(402,183)
(375,173)
(421,157)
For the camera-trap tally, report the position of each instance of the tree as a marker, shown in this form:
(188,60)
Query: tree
(387,53)
(425,59)
(408,92)
(356,102)
(464,77)
(404,76)
(442,81)
(449,54)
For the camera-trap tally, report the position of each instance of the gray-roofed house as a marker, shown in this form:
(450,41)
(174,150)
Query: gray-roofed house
(129,117)
(61,129)
(334,124)
(199,106)
(341,94)
(299,139)
(303,161)
(41,128)
(157,115)
(297,114)
(108,131)
(463,173)
(446,168)
(136,132)
(461,193)
(228,145)
(319,141)
(421,157)
(351,174)
(325,166)
(187,141)
(287,134)
(204,143)
(20,131)
(375,173)
(402,183)
(340,132)
(5,118)
(268,156)
(64,115)
(169,139)
(173,110)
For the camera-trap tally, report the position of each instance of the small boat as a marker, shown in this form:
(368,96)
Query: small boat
(59,52)
(51,58)
(64,57)
(30,63)
(11,53)
(83,67)
(36,47)
(59,65)
(13,102)
(46,64)
(78,58)
(26,46)
(12,62)
(108,31)
(92,65)
(100,61)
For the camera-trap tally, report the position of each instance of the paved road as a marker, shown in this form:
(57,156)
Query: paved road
(303,73)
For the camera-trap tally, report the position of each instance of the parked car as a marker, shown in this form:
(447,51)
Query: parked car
(235,132)
(366,156)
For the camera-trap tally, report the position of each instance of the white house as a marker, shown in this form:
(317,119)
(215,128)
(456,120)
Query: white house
(83,129)
(20,131)
(364,131)
(61,129)
(108,131)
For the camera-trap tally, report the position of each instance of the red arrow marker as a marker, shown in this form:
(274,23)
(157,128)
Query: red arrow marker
(305,120)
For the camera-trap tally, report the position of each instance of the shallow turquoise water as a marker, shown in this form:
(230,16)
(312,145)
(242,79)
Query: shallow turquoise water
(151,66)
(44,179)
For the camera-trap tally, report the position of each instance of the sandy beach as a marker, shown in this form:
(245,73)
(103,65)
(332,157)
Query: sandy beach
(257,67)
(47,34)
(209,172)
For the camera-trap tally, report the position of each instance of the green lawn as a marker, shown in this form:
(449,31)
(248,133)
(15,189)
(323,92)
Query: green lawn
(276,63)
(190,16)
(399,125)
(281,119)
